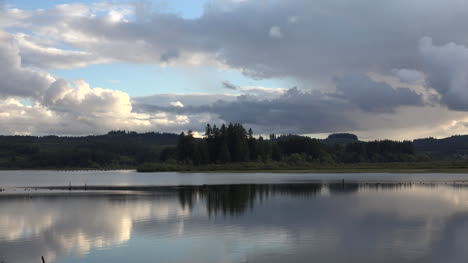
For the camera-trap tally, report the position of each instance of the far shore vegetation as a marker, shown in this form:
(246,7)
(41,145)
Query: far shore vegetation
(282,167)
(232,148)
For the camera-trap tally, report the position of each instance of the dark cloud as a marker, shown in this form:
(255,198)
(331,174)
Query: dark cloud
(374,96)
(186,99)
(169,55)
(228,85)
(294,111)
(299,111)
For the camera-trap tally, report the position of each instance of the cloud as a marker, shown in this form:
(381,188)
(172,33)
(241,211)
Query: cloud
(177,104)
(263,92)
(446,67)
(228,85)
(275,32)
(320,42)
(197,99)
(294,19)
(292,111)
(143,10)
(295,111)
(36,119)
(301,111)
(46,57)
(169,55)
(16,80)
(60,107)
(331,38)
(324,39)
(374,96)
(409,76)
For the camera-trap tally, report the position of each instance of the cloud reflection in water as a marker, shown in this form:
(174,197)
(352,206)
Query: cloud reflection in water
(237,223)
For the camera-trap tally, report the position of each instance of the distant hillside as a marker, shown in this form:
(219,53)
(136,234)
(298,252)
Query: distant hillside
(116,149)
(121,149)
(341,138)
(455,147)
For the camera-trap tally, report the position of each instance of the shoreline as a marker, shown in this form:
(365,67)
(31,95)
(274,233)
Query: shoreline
(168,189)
(304,167)
(68,170)
(273,171)
(334,171)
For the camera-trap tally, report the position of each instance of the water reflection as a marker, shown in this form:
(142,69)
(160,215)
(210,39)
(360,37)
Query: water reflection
(240,223)
(236,199)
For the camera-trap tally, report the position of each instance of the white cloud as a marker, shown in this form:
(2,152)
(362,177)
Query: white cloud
(294,19)
(61,108)
(46,56)
(16,80)
(177,104)
(275,32)
(409,76)
(447,70)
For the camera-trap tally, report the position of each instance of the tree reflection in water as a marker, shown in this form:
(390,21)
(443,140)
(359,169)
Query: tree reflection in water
(237,199)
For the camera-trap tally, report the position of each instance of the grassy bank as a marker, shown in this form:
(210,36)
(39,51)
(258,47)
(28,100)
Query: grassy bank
(281,167)
(69,168)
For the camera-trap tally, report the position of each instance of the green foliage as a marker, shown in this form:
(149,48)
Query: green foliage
(233,144)
(310,167)
(451,148)
(379,151)
(295,159)
(229,147)
(117,149)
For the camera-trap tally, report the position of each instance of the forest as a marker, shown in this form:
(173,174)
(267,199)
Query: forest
(225,147)
(115,150)
(232,144)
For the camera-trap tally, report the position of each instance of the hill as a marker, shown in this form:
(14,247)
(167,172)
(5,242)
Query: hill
(117,149)
(121,149)
(451,148)
(341,138)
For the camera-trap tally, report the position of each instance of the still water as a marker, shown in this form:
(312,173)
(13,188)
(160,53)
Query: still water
(280,221)
(132,178)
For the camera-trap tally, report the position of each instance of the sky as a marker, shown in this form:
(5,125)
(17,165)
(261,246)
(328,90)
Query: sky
(379,69)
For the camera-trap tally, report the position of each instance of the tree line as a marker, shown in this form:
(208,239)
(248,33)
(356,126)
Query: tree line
(221,145)
(232,143)
(117,149)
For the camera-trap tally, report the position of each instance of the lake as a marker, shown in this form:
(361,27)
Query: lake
(231,217)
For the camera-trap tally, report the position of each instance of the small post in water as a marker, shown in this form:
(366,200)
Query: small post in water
(43,260)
